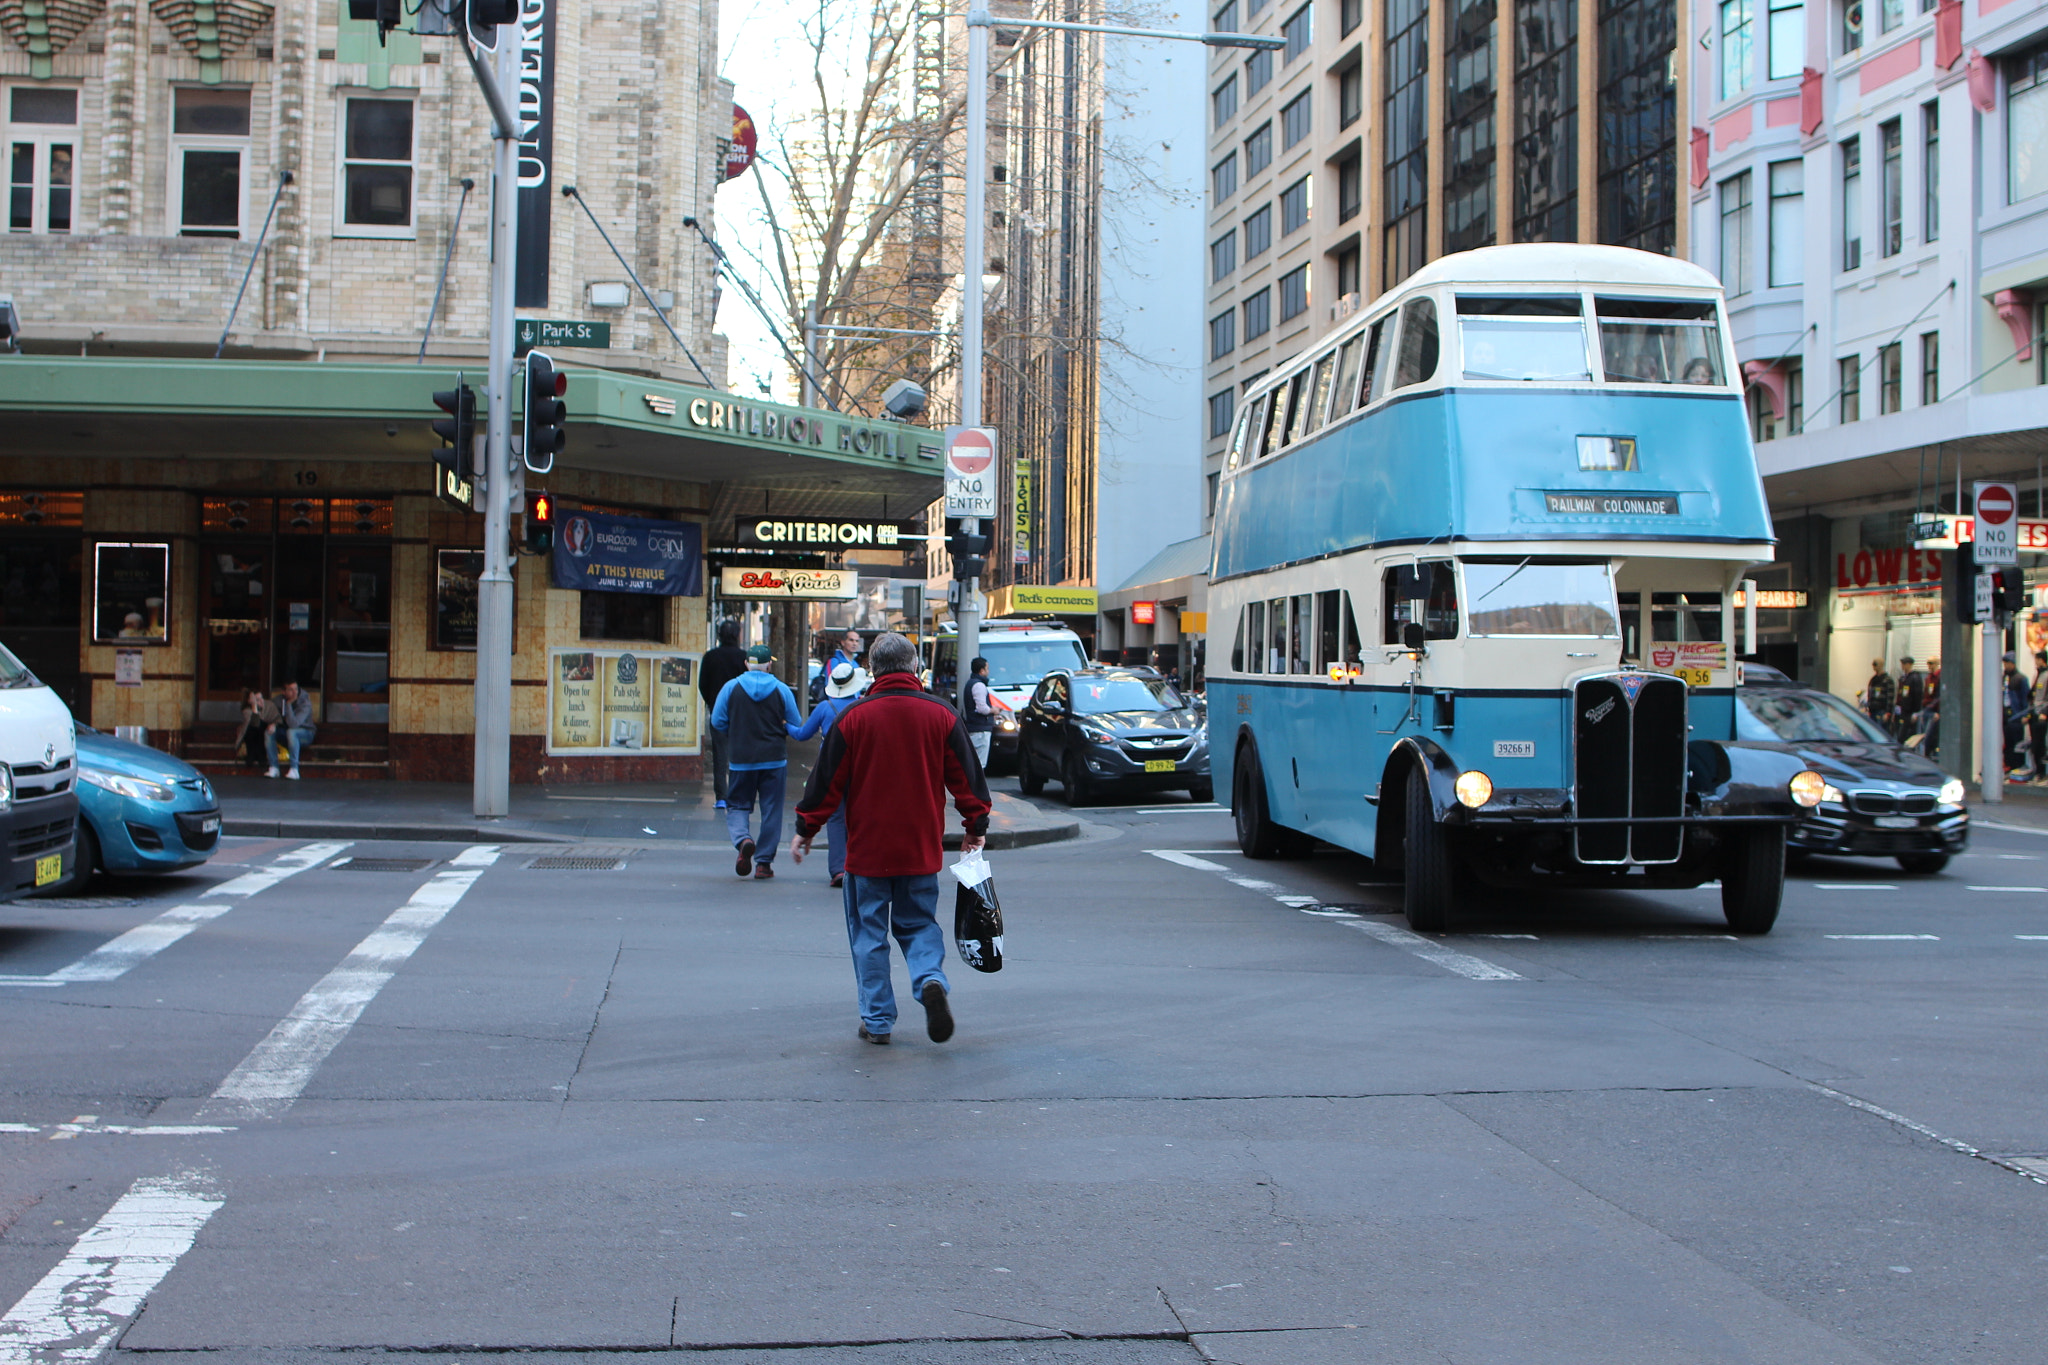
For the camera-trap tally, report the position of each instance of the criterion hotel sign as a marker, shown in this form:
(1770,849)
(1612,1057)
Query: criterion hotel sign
(826,585)
(753,531)
(816,427)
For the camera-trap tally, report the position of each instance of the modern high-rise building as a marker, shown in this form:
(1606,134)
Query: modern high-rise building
(1387,133)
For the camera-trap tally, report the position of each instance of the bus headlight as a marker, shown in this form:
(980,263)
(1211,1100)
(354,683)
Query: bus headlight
(1474,789)
(1808,788)
(1953,791)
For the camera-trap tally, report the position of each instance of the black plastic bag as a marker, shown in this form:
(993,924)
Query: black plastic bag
(977,917)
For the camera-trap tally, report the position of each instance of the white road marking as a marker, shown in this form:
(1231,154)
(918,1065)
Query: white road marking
(2036,890)
(1441,955)
(117,957)
(278,1069)
(73,1313)
(1923,1130)
(642,800)
(1210,809)
(2032,938)
(1888,938)
(1854,886)
(1977,822)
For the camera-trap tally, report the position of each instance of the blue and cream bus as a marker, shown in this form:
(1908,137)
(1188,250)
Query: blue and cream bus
(1471,607)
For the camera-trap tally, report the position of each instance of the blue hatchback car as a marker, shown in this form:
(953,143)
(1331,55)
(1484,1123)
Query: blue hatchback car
(139,810)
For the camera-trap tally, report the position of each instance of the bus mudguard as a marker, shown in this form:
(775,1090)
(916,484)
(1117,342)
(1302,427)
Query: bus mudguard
(1390,797)
(1730,778)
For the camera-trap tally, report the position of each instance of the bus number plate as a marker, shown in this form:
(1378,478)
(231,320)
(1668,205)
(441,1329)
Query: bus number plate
(1159,765)
(1514,748)
(49,869)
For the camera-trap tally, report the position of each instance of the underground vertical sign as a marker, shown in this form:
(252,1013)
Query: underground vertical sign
(970,471)
(1998,524)
(536,114)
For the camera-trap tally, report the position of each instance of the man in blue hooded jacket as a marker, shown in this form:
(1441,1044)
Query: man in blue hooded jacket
(755,712)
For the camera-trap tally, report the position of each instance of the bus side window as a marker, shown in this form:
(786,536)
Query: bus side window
(1289,431)
(1327,613)
(1311,415)
(1351,655)
(1379,361)
(1255,638)
(1276,635)
(1344,396)
(1299,640)
(1418,343)
(1237,644)
(1273,420)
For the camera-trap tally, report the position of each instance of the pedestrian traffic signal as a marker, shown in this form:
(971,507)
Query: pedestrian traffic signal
(385,14)
(458,431)
(483,18)
(966,549)
(545,411)
(540,523)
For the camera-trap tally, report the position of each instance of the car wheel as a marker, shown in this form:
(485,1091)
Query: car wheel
(1753,878)
(1078,788)
(1923,864)
(1202,791)
(1030,781)
(1430,884)
(85,860)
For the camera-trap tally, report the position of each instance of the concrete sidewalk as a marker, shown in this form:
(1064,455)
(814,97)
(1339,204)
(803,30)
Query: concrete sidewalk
(2024,806)
(625,812)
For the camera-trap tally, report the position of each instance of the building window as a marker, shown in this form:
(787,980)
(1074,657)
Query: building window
(1258,71)
(1787,38)
(1890,379)
(42,157)
(1404,68)
(1891,173)
(1348,277)
(1350,94)
(1223,256)
(624,616)
(1738,56)
(1852,25)
(1294,119)
(1788,222)
(1298,31)
(1638,108)
(1223,179)
(1930,171)
(209,160)
(376,171)
(1350,189)
(1930,368)
(1736,271)
(1223,103)
(1258,314)
(1226,18)
(1258,233)
(1890,14)
(1258,150)
(1222,334)
(1294,293)
(1252,8)
(2026,126)
(1546,120)
(1350,14)
(1852,203)
(1294,205)
(1222,407)
(1851,387)
(1768,424)
(1469,153)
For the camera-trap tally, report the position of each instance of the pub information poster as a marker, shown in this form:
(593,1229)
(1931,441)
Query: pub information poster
(573,724)
(675,703)
(623,702)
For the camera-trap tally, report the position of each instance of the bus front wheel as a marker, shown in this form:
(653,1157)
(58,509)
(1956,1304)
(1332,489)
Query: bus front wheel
(1753,878)
(1257,835)
(1431,875)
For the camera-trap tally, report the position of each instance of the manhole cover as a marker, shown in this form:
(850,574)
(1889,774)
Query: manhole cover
(384,864)
(85,902)
(558,862)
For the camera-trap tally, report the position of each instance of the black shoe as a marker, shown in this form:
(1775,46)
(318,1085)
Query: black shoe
(763,872)
(745,863)
(838,880)
(879,1039)
(938,1015)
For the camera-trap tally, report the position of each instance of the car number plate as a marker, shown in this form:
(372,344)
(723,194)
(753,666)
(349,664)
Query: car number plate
(49,869)
(1897,822)
(209,826)
(1159,765)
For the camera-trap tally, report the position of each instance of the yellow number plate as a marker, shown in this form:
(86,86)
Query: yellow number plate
(1694,677)
(49,869)
(1159,765)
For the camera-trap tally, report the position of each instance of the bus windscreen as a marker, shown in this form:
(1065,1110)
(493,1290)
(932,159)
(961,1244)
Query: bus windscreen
(1524,597)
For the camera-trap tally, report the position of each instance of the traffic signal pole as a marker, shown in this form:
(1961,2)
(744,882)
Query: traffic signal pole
(493,795)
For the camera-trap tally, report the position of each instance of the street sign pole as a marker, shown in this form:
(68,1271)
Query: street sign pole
(1995,506)
(974,260)
(492,796)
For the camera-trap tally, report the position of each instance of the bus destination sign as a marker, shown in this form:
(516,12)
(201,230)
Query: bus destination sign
(1612,504)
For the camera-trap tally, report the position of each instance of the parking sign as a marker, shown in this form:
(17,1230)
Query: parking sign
(970,471)
(1998,523)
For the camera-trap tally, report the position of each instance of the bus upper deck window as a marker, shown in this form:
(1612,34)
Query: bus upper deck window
(1523,337)
(1379,363)
(1660,341)
(1317,394)
(1418,343)
(1345,396)
(1296,412)
(1272,420)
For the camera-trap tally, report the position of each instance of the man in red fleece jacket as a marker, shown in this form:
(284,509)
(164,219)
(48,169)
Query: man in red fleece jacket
(890,760)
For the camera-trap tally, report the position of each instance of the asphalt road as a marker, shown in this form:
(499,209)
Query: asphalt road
(288,1108)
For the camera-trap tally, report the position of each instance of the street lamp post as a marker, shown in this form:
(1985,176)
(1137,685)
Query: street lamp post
(974,248)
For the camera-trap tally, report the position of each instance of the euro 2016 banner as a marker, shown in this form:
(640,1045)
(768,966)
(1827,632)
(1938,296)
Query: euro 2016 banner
(599,552)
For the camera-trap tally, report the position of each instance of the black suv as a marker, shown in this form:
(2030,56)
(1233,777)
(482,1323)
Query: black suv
(1099,727)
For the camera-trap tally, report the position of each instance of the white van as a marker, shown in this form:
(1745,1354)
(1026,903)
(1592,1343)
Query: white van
(38,768)
(1019,654)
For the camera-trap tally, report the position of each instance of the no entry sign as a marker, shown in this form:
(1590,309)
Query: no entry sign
(970,471)
(1998,523)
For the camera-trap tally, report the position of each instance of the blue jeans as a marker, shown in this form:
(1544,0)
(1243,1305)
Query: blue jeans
(294,740)
(876,907)
(835,829)
(740,790)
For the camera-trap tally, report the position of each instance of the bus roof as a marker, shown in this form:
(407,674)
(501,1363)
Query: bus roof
(1539,263)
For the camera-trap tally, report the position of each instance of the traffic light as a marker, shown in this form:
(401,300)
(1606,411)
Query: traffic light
(545,411)
(2010,592)
(966,550)
(540,523)
(1962,584)
(385,14)
(483,18)
(458,430)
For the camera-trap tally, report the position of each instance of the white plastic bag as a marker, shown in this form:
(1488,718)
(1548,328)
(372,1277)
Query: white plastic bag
(972,869)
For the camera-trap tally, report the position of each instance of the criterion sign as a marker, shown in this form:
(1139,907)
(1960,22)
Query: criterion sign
(970,471)
(1998,523)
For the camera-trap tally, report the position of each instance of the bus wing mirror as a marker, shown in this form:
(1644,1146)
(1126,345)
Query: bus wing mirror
(1414,638)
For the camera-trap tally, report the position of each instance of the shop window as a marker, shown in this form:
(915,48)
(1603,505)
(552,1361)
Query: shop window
(624,616)
(47,511)
(42,158)
(376,168)
(209,161)
(238,516)
(1425,593)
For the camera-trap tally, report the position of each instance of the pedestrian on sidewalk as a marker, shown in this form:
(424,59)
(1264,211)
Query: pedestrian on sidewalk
(890,762)
(1881,696)
(2012,689)
(295,720)
(719,667)
(980,718)
(1930,712)
(259,715)
(842,689)
(755,712)
(1912,698)
(2037,717)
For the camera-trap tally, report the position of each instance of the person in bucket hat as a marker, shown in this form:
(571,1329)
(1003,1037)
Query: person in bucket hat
(843,684)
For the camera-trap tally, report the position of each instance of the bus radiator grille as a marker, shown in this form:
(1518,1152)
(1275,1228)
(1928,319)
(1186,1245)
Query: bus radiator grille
(1630,762)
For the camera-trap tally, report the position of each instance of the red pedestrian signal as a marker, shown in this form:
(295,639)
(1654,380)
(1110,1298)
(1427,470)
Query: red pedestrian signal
(540,523)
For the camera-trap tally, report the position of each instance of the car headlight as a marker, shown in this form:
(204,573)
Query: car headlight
(1006,722)
(6,786)
(136,788)
(1098,736)
(1953,791)
(1832,794)
(1808,788)
(1474,788)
